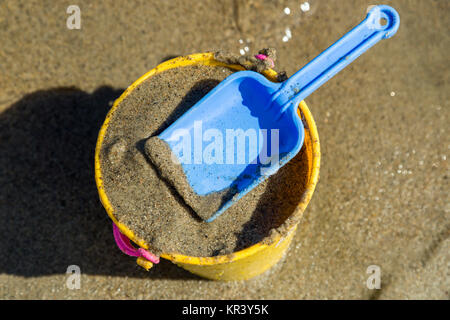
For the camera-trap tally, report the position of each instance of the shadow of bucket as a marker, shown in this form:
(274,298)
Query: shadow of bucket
(254,260)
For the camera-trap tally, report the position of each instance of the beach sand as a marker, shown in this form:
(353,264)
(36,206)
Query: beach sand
(382,198)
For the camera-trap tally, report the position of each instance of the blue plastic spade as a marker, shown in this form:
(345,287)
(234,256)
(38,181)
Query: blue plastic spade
(224,153)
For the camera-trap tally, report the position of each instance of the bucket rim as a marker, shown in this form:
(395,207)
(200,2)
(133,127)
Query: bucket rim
(208,60)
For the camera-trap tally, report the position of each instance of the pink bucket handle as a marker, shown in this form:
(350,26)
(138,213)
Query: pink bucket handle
(126,247)
(261,56)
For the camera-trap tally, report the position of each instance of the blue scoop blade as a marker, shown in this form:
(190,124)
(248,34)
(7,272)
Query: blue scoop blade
(250,137)
(248,107)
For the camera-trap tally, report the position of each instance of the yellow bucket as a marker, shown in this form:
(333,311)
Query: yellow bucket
(246,263)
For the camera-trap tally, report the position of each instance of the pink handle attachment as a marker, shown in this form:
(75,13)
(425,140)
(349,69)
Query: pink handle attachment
(126,247)
(261,56)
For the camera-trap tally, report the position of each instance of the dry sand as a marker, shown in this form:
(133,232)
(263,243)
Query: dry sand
(382,198)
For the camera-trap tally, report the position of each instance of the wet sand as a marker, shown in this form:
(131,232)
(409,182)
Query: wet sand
(381,199)
(139,181)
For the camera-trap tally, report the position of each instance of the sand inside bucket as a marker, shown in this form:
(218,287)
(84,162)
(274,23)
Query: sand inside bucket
(150,208)
(162,158)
